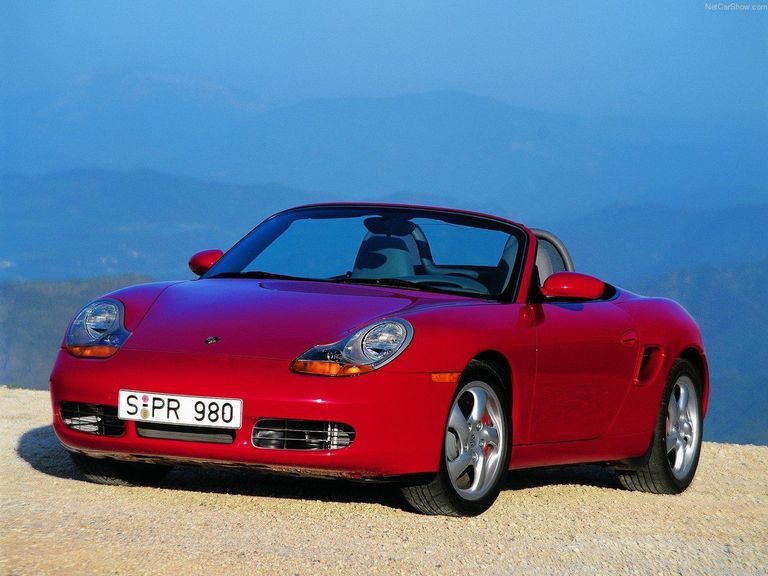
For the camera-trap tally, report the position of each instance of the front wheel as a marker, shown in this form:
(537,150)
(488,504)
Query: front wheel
(674,453)
(475,454)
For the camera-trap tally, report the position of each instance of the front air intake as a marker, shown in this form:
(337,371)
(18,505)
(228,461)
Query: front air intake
(278,434)
(92,418)
(185,433)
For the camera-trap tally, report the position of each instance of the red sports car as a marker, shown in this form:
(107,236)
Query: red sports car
(430,347)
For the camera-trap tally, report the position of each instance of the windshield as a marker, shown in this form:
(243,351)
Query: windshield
(418,249)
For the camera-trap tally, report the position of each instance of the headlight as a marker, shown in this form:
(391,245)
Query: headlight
(364,351)
(97,331)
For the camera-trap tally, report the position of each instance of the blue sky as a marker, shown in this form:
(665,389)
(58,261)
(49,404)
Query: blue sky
(589,58)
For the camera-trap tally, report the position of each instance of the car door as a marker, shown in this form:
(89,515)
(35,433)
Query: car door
(585,358)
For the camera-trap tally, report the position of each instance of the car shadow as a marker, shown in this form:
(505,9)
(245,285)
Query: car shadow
(40,448)
(576,475)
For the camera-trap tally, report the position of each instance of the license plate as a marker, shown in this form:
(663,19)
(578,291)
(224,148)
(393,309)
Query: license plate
(183,410)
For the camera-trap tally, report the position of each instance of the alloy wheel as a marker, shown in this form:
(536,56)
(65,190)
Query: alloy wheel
(474,440)
(683,427)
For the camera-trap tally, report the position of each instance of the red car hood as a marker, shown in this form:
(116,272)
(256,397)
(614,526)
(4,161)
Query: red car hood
(268,318)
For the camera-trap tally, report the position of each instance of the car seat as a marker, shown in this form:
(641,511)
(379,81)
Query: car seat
(383,257)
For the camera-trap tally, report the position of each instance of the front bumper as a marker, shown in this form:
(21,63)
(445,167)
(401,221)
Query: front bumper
(399,418)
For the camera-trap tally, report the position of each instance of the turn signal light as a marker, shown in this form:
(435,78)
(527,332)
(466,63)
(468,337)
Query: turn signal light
(326,368)
(92,351)
(449,377)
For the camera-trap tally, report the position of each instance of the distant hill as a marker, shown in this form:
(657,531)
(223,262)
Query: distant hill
(530,163)
(625,244)
(86,223)
(730,304)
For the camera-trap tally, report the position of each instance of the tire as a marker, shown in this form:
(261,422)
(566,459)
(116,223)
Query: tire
(673,456)
(119,473)
(474,458)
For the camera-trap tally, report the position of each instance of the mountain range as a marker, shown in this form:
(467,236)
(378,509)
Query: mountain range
(85,223)
(527,163)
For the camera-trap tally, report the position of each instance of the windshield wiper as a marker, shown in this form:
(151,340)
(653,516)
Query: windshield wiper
(259,274)
(397,282)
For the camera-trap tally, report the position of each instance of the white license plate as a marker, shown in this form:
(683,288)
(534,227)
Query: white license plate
(184,410)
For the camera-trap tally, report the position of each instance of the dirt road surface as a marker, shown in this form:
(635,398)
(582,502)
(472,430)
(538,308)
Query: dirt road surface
(570,521)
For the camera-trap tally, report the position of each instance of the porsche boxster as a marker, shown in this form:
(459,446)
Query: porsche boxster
(430,347)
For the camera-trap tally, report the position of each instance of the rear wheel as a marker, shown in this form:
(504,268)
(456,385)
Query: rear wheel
(676,445)
(119,473)
(475,454)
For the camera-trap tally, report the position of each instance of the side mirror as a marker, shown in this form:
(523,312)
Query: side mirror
(201,262)
(572,285)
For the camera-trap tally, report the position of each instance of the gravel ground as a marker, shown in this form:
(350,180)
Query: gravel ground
(568,521)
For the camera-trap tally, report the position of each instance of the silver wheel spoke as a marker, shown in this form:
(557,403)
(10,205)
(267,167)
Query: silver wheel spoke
(490,435)
(672,438)
(673,411)
(682,402)
(458,424)
(685,430)
(481,470)
(481,402)
(458,466)
(679,456)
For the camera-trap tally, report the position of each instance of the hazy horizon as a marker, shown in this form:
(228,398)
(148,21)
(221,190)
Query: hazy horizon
(586,58)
